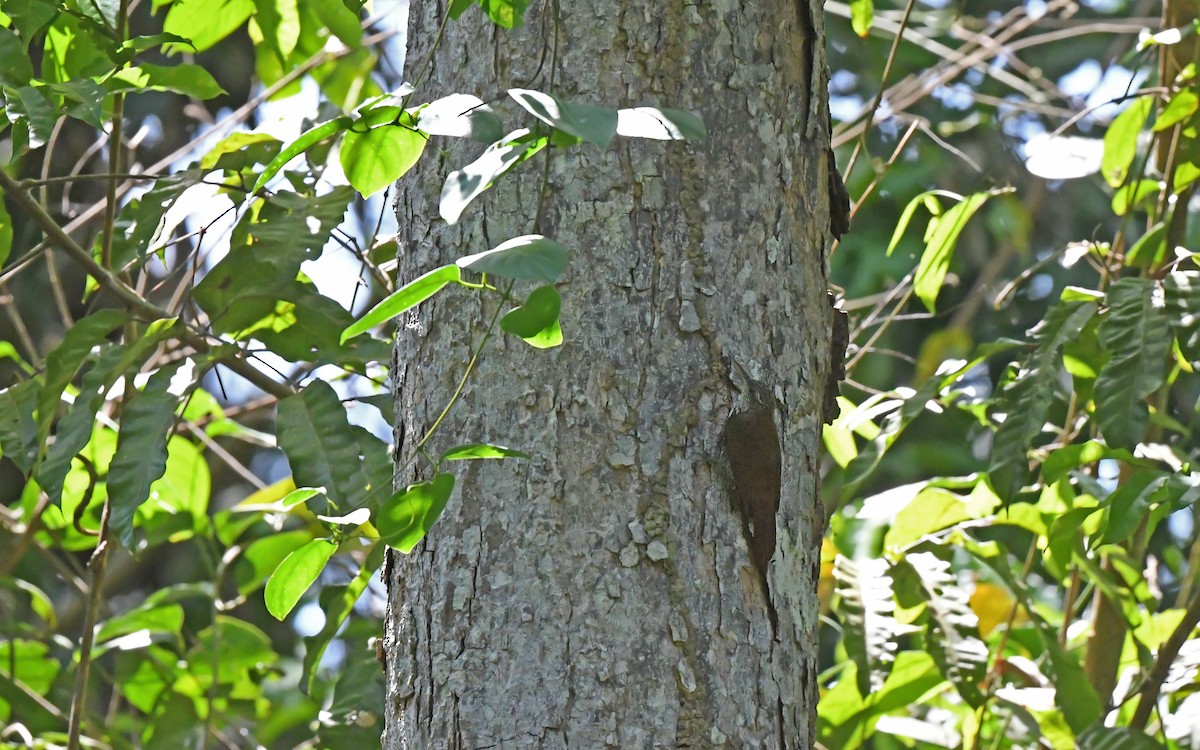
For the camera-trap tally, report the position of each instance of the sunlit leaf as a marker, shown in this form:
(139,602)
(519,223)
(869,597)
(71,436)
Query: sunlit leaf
(536,321)
(405,518)
(403,299)
(480,450)
(295,575)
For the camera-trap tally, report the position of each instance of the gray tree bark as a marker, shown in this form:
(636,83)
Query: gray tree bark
(602,594)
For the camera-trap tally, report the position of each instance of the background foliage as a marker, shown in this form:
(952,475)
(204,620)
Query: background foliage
(1011,556)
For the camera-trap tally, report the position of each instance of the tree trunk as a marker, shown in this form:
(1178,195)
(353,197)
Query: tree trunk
(603,594)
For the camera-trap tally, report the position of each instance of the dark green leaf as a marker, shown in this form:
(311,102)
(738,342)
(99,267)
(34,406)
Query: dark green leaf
(531,257)
(480,450)
(129,48)
(593,124)
(325,451)
(267,248)
(458,7)
(405,298)
(18,428)
(75,429)
(1182,295)
(405,518)
(536,321)
(1137,335)
(15,67)
(1150,248)
(6,233)
(465,185)
(63,362)
(141,450)
(29,105)
(1027,401)
(295,574)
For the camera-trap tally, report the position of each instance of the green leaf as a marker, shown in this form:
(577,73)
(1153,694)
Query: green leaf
(29,106)
(204,22)
(280,24)
(1183,105)
(238,151)
(128,49)
(472,451)
(868,611)
(936,508)
(1063,460)
(15,66)
(1073,694)
(1137,335)
(405,517)
(458,7)
(1150,248)
(267,247)
(1027,400)
(154,618)
(952,637)
(593,124)
(308,329)
(924,199)
(505,13)
(307,140)
(65,360)
(939,249)
(6,233)
(295,574)
(465,185)
(1134,194)
(660,124)
(18,428)
(179,507)
(189,80)
(1182,295)
(862,15)
(536,321)
(403,299)
(531,257)
(460,116)
(325,451)
(141,450)
(1099,737)
(337,602)
(376,158)
(262,556)
(1120,141)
